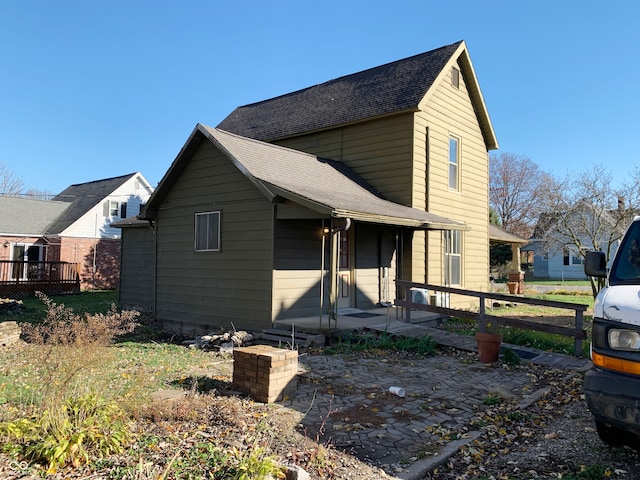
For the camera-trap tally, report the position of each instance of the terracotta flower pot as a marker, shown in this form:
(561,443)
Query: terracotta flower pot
(489,346)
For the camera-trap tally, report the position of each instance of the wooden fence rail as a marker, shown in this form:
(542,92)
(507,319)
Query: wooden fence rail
(23,278)
(578,332)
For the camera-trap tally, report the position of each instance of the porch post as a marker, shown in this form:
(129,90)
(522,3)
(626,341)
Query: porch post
(516,276)
(333,276)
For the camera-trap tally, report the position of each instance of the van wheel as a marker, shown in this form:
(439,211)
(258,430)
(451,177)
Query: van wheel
(610,435)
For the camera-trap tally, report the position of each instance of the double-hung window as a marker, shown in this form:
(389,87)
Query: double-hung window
(113,208)
(452,257)
(207,232)
(454,163)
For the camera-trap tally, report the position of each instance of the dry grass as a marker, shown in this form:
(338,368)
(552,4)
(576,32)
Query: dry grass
(73,400)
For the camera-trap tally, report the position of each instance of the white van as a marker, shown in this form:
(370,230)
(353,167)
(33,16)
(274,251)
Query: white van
(612,387)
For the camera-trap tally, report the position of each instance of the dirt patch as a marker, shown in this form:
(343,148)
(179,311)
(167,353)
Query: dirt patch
(558,320)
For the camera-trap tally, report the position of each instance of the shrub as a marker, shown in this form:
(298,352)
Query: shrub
(68,433)
(369,341)
(62,326)
(74,413)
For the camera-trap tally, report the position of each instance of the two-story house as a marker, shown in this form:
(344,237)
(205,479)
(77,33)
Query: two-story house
(319,199)
(73,227)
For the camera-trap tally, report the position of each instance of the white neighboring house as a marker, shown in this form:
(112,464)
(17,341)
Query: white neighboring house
(75,227)
(559,241)
(568,265)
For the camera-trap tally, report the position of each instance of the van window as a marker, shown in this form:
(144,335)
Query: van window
(626,267)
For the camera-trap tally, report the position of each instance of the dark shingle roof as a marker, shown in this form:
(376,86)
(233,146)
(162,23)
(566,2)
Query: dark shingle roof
(395,87)
(83,197)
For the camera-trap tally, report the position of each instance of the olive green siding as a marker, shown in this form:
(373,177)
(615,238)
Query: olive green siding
(379,151)
(298,269)
(137,263)
(200,291)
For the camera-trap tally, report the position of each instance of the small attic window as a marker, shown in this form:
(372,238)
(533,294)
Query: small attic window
(455,77)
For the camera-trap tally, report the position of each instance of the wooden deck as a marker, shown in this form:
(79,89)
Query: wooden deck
(22,279)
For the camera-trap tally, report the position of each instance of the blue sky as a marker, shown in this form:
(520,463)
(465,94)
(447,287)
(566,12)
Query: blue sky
(96,89)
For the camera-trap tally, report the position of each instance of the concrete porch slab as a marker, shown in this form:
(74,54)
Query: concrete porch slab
(352,319)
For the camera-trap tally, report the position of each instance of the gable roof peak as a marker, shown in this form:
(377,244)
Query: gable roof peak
(84,196)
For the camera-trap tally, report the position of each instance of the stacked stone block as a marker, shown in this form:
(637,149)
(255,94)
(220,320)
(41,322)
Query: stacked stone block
(9,333)
(266,373)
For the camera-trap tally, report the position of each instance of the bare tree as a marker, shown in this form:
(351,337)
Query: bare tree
(13,186)
(516,186)
(39,194)
(587,212)
(10,184)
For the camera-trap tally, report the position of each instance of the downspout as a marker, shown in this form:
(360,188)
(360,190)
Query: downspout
(95,248)
(322,269)
(443,247)
(427,172)
(399,267)
(154,290)
(334,269)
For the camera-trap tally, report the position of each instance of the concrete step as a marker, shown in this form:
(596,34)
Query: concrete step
(279,337)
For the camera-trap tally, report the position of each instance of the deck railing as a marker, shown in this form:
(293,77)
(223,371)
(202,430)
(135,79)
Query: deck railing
(578,332)
(23,278)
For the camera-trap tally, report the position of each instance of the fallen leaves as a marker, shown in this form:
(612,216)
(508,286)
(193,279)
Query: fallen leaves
(525,443)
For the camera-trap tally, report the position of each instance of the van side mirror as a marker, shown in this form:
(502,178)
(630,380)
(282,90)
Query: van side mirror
(595,264)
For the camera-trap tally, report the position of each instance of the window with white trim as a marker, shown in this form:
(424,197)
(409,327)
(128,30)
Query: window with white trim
(453,257)
(207,232)
(113,208)
(454,163)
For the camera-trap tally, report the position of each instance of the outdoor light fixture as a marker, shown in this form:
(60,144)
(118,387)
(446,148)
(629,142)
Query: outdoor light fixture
(5,244)
(325,230)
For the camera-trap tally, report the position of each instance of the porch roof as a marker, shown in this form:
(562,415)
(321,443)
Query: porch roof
(497,234)
(325,186)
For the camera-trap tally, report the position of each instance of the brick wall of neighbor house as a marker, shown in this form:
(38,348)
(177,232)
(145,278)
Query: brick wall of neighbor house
(5,252)
(107,261)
